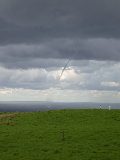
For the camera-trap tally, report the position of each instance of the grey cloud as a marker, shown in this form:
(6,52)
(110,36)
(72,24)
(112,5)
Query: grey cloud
(103,76)
(50,13)
(35,20)
(55,52)
(30,78)
(37,34)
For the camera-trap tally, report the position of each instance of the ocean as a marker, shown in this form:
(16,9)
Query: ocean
(45,106)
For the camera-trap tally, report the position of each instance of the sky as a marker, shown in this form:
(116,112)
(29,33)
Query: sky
(38,37)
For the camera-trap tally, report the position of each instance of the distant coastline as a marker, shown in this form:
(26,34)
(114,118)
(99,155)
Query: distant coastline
(28,106)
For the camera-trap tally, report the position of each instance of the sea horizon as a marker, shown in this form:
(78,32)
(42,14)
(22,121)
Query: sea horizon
(29,106)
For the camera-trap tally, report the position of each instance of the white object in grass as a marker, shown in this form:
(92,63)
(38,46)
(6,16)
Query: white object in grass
(109,107)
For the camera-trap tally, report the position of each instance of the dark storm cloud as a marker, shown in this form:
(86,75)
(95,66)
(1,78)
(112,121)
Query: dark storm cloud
(33,30)
(35,20)
(54,53)
(37,37)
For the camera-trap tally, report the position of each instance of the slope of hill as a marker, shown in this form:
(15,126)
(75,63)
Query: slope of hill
(60,135)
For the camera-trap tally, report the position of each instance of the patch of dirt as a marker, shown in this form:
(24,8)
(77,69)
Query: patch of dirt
(6,119)
(10,115)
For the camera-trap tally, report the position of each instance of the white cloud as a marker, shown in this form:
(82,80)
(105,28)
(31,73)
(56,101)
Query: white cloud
(94,75)
(6,91)
(70,75)
(77,82)
(110,84)
(54,94)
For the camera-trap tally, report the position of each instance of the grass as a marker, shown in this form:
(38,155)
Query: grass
(60,135)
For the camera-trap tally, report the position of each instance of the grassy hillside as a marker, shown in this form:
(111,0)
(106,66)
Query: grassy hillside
(60,135)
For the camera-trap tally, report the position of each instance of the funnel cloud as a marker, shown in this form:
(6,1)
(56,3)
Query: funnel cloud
(39,37)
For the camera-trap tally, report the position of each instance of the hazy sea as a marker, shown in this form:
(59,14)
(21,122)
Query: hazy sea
(44,106)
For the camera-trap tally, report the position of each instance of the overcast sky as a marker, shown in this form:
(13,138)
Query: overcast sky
(37,37)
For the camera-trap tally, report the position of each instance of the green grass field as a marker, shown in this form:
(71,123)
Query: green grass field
(60,135)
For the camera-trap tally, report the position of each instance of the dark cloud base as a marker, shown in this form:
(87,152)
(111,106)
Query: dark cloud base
(32,21)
